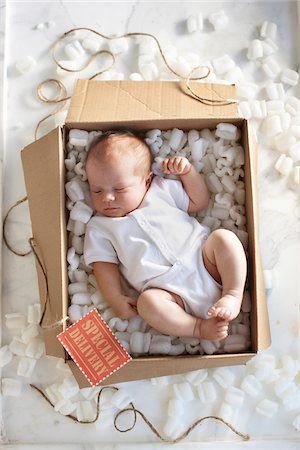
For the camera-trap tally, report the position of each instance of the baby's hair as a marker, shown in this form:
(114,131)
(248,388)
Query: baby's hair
(102,147)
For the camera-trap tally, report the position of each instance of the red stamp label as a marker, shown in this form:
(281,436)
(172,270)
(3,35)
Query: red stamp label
(94,348)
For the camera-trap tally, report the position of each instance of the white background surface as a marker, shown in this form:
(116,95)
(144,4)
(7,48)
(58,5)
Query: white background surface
(29,419)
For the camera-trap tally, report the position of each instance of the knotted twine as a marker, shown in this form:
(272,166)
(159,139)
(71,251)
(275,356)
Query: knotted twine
(60,99)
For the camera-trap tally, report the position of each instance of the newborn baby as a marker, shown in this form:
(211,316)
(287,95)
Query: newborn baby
(190,282)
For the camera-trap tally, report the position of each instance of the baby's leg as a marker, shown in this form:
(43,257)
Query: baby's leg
(225,260)
(164,312)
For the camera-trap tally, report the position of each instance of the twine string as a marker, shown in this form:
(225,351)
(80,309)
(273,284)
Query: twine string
(33,245)
(137,412)
(62,97)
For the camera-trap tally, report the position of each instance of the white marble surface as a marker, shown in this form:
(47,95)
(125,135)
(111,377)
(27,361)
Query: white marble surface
(29,419)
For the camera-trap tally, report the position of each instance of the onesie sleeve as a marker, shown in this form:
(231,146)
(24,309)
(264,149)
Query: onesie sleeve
(97,247)
(174,189)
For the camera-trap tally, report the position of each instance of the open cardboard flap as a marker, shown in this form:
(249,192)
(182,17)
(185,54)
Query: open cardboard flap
(141,105)
(43,163)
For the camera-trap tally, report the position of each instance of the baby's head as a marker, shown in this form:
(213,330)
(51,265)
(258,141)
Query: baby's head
(118,169)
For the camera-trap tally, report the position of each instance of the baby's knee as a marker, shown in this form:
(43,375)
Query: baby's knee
(144,301)
(222,237)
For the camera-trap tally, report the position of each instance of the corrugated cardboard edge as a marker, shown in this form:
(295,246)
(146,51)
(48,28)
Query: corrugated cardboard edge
(110,101)
(46,193)
(262,331)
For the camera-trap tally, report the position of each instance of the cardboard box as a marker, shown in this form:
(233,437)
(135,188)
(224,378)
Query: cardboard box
(104,105)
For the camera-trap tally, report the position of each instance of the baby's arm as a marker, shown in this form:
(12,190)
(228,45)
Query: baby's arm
(109,282)
(192,181)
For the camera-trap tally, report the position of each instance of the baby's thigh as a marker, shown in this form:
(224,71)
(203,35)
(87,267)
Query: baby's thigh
(159,297)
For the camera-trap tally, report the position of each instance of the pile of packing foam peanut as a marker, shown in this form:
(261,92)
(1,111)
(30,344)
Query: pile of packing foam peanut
(269,382)
(220,158)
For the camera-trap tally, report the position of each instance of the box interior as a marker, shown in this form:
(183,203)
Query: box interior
(44,158)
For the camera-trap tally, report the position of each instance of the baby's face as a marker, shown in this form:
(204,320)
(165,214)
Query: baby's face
(115,189)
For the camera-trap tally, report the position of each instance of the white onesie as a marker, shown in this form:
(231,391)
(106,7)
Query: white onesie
(157,245)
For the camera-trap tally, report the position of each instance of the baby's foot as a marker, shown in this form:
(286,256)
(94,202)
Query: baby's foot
(227,308)
(211,329)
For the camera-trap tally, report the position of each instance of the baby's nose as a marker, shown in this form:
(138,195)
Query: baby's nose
(109,196)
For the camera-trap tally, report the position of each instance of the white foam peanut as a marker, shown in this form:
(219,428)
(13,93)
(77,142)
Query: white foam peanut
(135,76)
(198,149)
(215,182)
(118,45)
(173,428)
(268,30)
(78,227)
(183,391)
(271,67)
(223,64)
(17,346)
(292,105)
(275,106)
(235,343)
(121,399)
(282,384)
(251,385)
(269,47)
(72,258)
(175,138)
(284,141)
(284,164)
(11,387)
(194,22)
(268,279)
(75,313)
(81,298)
(234,396)
(35,348)
(75,190)
(228,184)
(91,45)
(291,401)
(26,367)
(78,137)
(149,71)
(267,408)
(258,109)
(25,64)
(275,91)
(52,393)
(255,49)
(34,313)
(224,377)
(207,392)
(5,355)
(294,151)
(140,342)
(29,332)
(294,178)
(136,323)
(290,77)
(69,387)
(226,411)
(273,125)
(245,110)
(177,349)
(15,320)
(296,422)
(160,344)
(65,406)
(220,213)
(85,411)
(74,50)
(218,19)
(81,212)
(175,407)
(118,324)
(196,376)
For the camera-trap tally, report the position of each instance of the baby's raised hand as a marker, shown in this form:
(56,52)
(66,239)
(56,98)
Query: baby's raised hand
(176,165)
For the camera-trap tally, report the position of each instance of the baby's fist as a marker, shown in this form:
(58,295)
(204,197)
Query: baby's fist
(177,165)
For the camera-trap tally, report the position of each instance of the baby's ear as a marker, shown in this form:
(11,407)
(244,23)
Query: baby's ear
(149,179)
